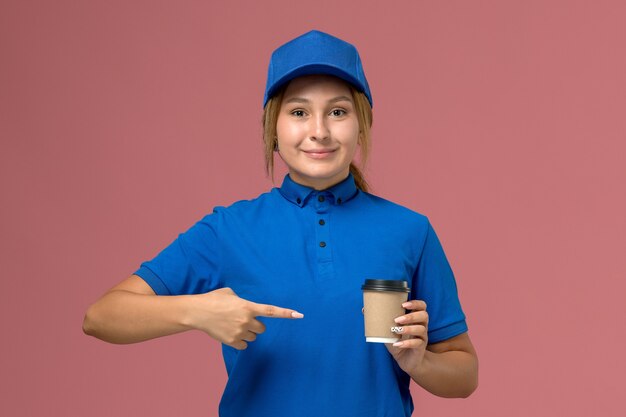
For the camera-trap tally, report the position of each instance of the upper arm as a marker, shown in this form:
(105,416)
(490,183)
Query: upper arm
(434,283)
(188,265)
(461,343)
(134,284)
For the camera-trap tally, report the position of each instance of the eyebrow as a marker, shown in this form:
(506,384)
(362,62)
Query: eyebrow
(305,101)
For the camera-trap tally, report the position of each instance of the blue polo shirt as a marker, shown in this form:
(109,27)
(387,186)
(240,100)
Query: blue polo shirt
(310,250)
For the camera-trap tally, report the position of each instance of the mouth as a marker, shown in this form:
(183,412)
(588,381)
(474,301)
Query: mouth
(319,153)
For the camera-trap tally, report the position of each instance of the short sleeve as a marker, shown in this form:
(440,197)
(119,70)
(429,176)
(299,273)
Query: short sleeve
(434,283)
(190,264)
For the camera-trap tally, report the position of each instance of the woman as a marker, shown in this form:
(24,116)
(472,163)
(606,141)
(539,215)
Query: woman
(277,279)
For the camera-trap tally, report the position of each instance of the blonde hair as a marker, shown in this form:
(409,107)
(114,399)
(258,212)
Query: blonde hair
(363,111)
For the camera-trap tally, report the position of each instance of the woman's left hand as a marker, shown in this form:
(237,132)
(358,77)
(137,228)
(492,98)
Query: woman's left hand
(413,326)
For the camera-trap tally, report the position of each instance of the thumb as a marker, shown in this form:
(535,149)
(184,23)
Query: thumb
(268,310)
(225,290)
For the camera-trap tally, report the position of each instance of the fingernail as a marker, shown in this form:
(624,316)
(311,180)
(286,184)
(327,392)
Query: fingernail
(406,305)
(297,315)
(400,319)
(397,329)
(398,344)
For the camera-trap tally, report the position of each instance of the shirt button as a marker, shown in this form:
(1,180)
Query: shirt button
(320,198)
(339,201)
(322,244)
(298,201)
(322,222)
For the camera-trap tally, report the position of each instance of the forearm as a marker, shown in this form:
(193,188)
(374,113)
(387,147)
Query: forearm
(451,374)
(126,317)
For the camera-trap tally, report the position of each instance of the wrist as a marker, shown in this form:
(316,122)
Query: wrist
(421,370)
(185,308)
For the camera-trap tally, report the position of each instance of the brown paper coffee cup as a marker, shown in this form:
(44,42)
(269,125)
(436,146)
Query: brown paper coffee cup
(382,303)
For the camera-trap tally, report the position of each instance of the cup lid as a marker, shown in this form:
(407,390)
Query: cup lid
(385,285)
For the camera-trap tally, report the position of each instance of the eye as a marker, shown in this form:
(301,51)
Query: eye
(338,112)
(298,113)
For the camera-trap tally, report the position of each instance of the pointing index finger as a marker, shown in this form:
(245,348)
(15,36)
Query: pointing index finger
(268,310)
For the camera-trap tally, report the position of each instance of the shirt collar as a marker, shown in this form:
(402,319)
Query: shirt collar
(301,194)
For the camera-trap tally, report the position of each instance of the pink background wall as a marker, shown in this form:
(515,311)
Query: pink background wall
(122,123)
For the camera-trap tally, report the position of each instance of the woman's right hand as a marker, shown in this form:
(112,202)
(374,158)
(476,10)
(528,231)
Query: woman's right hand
(230,319)
(131,312)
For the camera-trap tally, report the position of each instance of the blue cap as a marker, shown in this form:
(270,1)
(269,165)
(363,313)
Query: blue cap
(315,52)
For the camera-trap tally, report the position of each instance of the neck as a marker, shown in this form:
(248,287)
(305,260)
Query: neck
(318,184)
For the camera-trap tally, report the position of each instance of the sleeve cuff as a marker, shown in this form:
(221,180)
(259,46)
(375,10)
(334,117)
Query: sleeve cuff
(153,281)
(445,333)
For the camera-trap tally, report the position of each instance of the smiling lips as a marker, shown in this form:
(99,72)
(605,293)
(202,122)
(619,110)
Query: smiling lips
(319,153)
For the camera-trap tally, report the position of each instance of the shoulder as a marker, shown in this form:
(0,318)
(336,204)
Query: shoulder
(248,208)
(393,211)
(236,216)
(402,225)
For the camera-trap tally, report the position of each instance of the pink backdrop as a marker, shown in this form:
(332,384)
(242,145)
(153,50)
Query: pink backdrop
(124,122)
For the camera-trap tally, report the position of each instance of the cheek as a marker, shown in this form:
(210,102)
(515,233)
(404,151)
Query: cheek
(349,134)
(287,130)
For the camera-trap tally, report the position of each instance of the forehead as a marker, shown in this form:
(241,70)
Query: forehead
(317,84)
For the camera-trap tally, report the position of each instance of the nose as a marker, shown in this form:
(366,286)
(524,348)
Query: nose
(319,128)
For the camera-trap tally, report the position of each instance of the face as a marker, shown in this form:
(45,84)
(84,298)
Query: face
(317,130)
